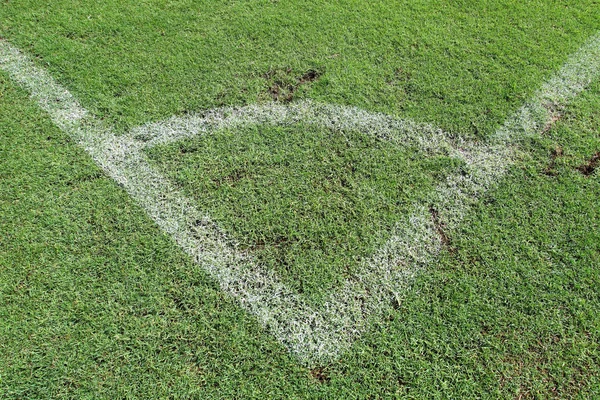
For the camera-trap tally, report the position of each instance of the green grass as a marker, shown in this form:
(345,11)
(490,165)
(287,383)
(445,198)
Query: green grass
(308,203)
(95,302)
(462,65)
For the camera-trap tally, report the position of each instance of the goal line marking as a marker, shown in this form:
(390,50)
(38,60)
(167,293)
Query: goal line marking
(314,334)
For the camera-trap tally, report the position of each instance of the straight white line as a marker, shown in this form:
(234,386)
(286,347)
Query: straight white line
(581,69)
(314,335)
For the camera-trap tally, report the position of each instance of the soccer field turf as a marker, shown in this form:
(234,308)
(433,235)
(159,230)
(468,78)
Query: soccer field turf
(387,199)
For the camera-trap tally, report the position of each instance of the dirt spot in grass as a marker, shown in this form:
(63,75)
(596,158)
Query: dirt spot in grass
(187,149)
(232,178)
(258,245)
(282,86)
(400,75)
(320,374)
(440,228)
(589,167)
(200,227)
(534,366)
(179,304)
(555,116)
(278,242)
(554,154)
(143,137)
(553,120)
(310,76)
(202,223)
(396,305)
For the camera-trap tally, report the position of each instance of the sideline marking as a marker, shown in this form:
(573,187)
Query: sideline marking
(313,335)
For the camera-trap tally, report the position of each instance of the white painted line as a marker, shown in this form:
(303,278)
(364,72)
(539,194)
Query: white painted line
(64,110)
(328,116)
(576,74)
(313,335)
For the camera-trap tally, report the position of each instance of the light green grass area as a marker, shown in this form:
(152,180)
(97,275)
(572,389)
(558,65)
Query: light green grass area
(308,203)
(96,302)
(461,65)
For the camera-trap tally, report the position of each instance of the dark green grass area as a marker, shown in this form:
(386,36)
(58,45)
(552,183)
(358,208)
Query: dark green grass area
(308,203)
(461,65)
(97,303)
